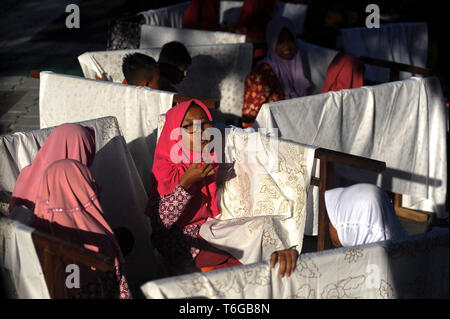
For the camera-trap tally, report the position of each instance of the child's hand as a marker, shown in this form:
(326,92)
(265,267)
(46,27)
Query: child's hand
(194,174)
(288,260)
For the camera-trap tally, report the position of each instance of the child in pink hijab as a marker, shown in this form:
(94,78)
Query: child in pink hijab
(67,207)
(279,75)
(66,141)
(184,187)
(184,194)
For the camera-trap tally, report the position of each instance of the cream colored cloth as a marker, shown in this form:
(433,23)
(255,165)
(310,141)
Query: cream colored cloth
(157,36)
(402,123)
(65,98)
(20,267)
(416,267)
(397,42)
(262,196)
(170,16)
(226,66)
(123,197)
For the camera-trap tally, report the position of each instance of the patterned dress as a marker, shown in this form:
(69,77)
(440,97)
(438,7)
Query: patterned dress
(261,86)
(176,245)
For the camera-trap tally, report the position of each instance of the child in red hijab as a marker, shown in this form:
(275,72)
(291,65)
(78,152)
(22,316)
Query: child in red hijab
(184,194)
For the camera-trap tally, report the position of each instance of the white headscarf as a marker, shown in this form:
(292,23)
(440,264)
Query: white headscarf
(362,214)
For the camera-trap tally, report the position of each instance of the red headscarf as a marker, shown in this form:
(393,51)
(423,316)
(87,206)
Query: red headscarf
(167,174)
(255,14)
(202,15)
(346,71)
(66,141)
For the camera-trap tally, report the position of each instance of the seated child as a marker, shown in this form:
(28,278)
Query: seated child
(184,196)
(140,70)
(173,62)
(361,214)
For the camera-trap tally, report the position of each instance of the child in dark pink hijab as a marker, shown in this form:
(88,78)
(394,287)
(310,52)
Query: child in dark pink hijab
(68,140)
(67,207)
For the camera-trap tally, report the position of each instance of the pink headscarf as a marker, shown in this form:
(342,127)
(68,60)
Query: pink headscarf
(67,207)
(67,197)
(288,72)
(167,174)
(66,141)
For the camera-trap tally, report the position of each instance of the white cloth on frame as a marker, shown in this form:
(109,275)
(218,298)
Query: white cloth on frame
(315,60)
(170,16)
(402,123)
(397,42)
(416,267)
(362,214)
(65,98)
(157,36)
(217,71)
(261,196)
(123,197)
(20,267)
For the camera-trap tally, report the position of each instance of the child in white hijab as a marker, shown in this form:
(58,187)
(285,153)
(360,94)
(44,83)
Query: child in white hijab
(361,214)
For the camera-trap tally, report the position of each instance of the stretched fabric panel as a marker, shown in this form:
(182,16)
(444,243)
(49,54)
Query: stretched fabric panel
(123,35)
(315,60)
(226,66)
(262,191)
(123,197)
(20,267)
(171,16)
(156,36)
(402,123)
(65,98)
(416,267)
(19,149)
(398,42)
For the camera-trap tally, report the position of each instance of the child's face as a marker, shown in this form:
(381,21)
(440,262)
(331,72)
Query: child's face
(151,79)
(286,45)
(194,123)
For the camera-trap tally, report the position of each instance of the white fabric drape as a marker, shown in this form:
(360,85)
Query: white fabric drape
(20,267)
(315,60)
(217,71)
(398,42)
(157,36)
(171,16)
(401,123)
(123,197)
(261,196)
(65,98)
(416,267)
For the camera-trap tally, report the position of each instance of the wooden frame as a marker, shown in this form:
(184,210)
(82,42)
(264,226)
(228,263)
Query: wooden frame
(327,160)
(395,68)
(53,248)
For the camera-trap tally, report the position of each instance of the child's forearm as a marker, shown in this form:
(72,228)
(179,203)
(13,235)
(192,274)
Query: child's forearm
(172,206)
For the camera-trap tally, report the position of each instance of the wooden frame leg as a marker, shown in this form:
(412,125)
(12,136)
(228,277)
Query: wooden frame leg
(417,216)
(326,182)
